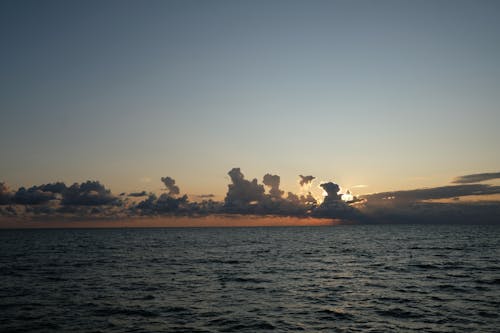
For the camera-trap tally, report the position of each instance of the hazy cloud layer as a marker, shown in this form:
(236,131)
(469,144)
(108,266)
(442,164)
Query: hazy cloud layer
(476,178)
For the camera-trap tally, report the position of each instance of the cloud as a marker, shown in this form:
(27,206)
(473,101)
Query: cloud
(165,203)
(441,192)
(205,196)
(412,206)
(90,193)
(170,185)
(304,180)
(333,206)
(138,194)
(242,192)
(92,200)
(5,194)
(476,178)
(273,181)
(35,195)
(332,191)
(58,187)
(32,196)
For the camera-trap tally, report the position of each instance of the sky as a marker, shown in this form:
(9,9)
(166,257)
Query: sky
(390,95)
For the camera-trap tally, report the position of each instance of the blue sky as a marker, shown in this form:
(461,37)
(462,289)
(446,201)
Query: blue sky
(388,94)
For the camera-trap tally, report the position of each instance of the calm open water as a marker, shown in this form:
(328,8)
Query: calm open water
(355,278)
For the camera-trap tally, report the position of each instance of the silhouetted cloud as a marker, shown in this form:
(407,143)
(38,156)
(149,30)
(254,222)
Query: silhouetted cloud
(242,192)
(138,194)
(476,178)
(273,181)
(332,191)
(304,180)
(90,193)
(170,185)
(441,192)
(92,200)
(413,206)
(206,195)
(163,204)
(58,187)
(32,196)
(166,203)
(333,206)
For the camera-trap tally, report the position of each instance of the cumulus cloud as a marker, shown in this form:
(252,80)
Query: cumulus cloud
(476,178)
(273,181)
(304,180)
(92,200)
(242,192)
(166,203)
(58,187)
(332,191)
(170,185)
(163,204)
(333,206)
(32,196)
(90,193)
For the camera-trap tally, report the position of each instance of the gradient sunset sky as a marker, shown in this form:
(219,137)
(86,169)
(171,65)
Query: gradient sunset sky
(385,94)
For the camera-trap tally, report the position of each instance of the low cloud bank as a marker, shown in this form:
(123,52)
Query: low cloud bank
(91,199)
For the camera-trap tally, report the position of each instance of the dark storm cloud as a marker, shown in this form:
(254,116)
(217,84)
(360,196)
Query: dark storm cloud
(442,192)
(242,192)
(170,185)
(90,193)
(138,194)
(476,178)
(273,181)
(5,194)
(304,180)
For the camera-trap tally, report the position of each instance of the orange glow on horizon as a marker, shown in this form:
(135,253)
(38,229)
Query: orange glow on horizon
(172,222)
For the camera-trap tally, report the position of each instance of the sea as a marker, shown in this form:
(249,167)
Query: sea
(344,278)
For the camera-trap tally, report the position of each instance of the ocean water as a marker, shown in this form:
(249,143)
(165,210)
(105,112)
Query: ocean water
(357,278)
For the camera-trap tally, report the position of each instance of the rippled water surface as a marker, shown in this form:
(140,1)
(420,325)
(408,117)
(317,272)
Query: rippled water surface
(332,279)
